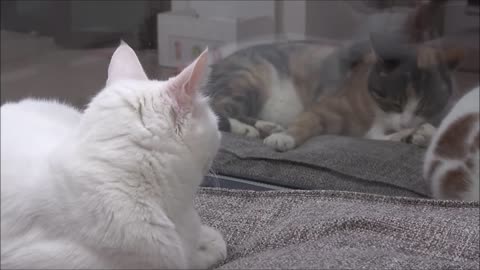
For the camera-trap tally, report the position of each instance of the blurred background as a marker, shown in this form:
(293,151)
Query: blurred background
(61,49)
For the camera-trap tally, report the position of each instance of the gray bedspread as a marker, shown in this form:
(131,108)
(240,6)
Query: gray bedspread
(328,163)
(341,230)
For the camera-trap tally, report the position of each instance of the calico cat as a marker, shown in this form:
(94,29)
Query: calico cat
(371,88)
(451,164)
(393,92)
(259,90)
(112,187)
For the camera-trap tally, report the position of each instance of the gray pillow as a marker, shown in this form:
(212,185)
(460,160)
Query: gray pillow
(329,163)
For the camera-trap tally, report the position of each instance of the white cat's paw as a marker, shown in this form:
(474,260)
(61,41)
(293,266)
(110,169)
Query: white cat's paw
(211,250)
(240,128)
(422,136)
(266,128)
(280,141)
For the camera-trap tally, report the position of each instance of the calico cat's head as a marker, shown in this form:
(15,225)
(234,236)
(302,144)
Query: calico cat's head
(411,84)
(169,117)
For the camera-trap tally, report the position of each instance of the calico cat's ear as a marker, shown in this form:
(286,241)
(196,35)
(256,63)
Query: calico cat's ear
(185,85)
(453,57)
(427,57)
(125,65)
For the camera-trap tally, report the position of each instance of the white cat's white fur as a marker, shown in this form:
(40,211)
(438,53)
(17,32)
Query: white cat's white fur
(468,104)
(111,187)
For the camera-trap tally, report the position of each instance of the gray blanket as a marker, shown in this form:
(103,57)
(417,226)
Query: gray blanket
(329,163)
(341,230)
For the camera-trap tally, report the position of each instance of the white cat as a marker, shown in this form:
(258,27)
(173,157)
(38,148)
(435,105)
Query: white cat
(452,161)
(113,187)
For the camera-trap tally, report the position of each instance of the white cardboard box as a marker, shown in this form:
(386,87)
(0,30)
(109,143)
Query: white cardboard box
(181,38)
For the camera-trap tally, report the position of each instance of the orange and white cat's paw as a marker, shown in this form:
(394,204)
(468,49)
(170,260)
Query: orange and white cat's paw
(240,128)
(211,250)
(280,141)
(422,136)
(267,128)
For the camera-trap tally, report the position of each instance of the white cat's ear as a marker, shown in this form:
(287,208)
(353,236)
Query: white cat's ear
(186,84)
(125,65)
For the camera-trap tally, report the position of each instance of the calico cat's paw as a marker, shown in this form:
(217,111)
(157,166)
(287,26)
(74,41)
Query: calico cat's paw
(212,249)
(240,128)
(422,136)
(280,141)
(267,128)
(400,136)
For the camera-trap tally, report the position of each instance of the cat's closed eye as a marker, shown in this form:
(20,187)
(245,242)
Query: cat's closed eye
(396,107)
(378,93)
(390,64)
(238,98)
(231,110)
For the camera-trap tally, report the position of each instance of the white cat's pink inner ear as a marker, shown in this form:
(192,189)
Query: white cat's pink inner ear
(125,65)
(188,82)
(198,73)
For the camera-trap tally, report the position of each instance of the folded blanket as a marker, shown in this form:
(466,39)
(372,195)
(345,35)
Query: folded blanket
(329,163)
(340,230)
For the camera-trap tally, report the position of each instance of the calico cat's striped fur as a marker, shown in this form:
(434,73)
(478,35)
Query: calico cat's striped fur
(312,89)
(387,97)
(258,90)
(262,89)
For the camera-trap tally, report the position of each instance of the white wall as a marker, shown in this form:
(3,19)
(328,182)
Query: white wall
(121,16)
(456,20)
(289,15)
(293,17)
(230,9)
(296,18)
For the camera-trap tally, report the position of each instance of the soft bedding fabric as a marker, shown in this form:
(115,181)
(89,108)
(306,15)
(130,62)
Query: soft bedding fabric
(341,230)
(328,163)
